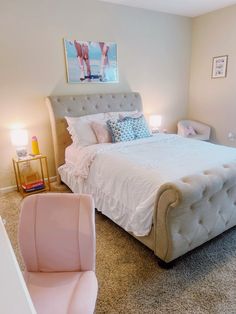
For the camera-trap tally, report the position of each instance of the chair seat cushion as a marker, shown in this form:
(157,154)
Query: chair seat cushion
(63,293)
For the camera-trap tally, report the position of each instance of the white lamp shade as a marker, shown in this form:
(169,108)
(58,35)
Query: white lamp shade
(155,121)
(19,137)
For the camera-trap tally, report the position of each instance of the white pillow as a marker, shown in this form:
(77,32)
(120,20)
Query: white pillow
(120,114)
(80,127)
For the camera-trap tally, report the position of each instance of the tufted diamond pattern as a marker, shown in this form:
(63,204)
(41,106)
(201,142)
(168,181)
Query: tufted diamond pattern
(80,105)
(205,207)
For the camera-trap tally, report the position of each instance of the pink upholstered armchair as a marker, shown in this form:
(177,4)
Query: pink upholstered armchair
(57,242)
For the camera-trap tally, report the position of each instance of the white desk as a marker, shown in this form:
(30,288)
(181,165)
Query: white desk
(14,295)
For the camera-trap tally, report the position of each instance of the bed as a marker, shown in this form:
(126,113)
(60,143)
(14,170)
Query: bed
(191,184)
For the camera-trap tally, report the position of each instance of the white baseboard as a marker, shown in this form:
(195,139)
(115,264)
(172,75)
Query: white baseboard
(12,188)
(8,189)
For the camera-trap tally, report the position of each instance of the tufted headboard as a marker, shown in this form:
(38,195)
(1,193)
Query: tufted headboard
(81,105)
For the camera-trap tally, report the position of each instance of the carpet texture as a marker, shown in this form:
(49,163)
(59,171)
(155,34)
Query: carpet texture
(130,280)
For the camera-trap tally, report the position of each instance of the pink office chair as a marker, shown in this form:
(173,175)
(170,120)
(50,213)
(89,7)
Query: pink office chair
(57,242)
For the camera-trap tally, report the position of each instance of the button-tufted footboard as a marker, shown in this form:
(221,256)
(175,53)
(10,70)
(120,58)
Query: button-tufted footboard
(193,210)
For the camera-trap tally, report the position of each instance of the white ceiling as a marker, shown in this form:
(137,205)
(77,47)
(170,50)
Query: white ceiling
(180,7)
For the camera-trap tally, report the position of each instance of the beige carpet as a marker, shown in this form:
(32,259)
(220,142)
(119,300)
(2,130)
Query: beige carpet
(130,280)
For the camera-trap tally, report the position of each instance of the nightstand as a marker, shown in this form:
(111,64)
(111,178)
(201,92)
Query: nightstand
(28,180)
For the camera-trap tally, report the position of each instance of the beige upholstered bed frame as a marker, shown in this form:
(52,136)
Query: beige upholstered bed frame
(189,211)
(81,105)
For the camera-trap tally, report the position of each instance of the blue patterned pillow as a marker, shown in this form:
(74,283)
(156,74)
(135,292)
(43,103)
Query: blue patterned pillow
(121,130)
(140,127)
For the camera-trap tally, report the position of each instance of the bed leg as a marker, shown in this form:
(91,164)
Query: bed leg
(58,179)
(165,265)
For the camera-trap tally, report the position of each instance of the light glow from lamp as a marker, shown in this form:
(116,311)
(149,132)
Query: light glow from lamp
(19,139)
(155,122)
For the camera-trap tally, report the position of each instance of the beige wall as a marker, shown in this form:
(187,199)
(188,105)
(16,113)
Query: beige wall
(153,55)
(214,100)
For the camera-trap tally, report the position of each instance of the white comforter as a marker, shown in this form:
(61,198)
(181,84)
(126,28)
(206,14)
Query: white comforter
(124,178)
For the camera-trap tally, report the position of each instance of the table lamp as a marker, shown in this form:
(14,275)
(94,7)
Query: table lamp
(19,139)
(155,122)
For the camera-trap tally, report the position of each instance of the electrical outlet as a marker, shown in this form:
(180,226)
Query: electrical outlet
(231,136)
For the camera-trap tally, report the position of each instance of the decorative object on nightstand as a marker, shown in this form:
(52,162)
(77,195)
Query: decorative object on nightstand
(155,122)
(194,129)
(29,180)
(35,146)
(19,139)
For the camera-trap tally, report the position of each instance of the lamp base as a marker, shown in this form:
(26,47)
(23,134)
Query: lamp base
(21,152)
(156,130)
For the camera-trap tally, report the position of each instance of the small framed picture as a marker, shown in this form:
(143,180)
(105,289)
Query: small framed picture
(219,66)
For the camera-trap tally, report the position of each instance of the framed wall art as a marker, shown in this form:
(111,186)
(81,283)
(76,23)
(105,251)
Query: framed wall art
(219,66)
(91,62)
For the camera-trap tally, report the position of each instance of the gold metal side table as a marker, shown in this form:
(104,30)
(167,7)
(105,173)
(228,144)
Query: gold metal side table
(18,165)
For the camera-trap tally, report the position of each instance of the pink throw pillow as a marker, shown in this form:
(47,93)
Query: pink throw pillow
(189,130)
(101,131)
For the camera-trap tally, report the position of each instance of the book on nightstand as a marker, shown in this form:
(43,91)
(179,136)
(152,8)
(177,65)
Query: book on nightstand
(34,186)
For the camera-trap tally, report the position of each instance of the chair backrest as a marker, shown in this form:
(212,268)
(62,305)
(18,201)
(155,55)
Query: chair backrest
(57,232)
